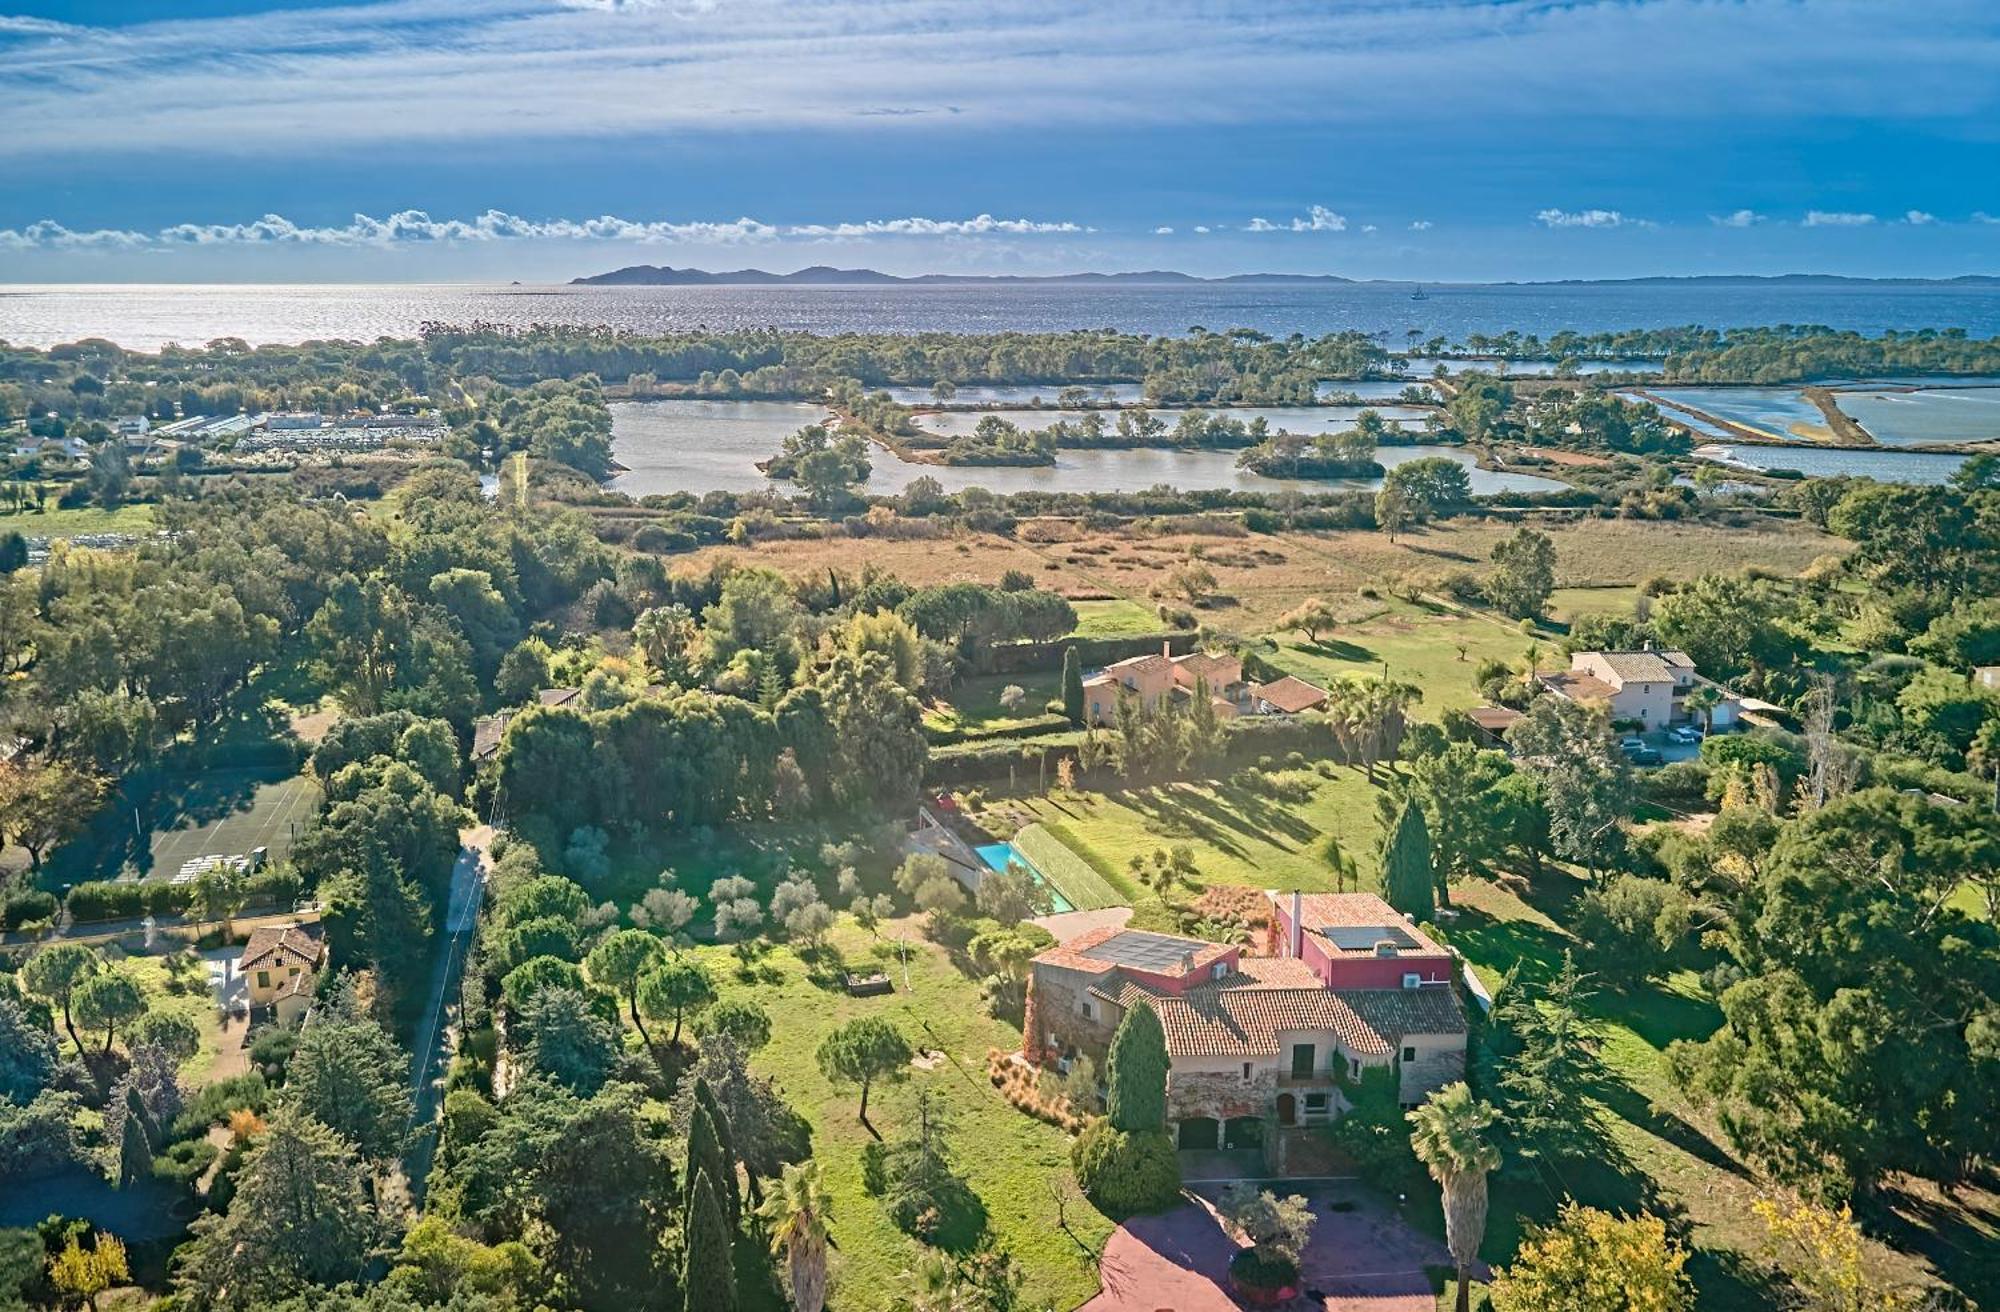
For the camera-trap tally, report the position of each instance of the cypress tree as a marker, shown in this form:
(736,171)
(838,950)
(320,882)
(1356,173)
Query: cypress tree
(725,1142)
(705,1159)
(1408,880)
(1136,1073)
(135,1155)
(1072,686)
(708,1276)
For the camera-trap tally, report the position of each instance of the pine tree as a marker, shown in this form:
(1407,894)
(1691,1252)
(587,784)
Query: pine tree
(705,1159)
(1407,877)
(725,1142)
(1136,1073)
(708,1277)
(1072,686)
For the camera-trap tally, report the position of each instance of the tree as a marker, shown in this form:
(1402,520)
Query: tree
(80,1274)
(562,1037)
(1592,1261)
(1135,1072)
(108,1000)
(1393,511)
(298,1218)
(708,1159)
(675,989)
(862,1051)
(1458,788)
(1432,488)
(349,1075)
(43,806)
(1702,699)
(1820,1250)
(1013,895)
(708,1275)
(1448,1136)
(135,1147)
(620,962)
(1277,1229)
(1633,927)
(1586,782)
(28,1054)
(740,1020)
(54,974)
(1192,580)
(1544,1080)
(1860,1034)
(1072,685)
(1408,879)
(219,894)
(1524,574)
(1311,617)
(797,1214)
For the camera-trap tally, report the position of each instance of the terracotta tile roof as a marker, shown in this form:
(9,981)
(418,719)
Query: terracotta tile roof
(1244,1014)
(1493,719)
(1579,687)
(1289,694)
(283,945)
(1134,664)
(1220,671)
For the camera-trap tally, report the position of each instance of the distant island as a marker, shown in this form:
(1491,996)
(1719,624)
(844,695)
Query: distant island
(821,275)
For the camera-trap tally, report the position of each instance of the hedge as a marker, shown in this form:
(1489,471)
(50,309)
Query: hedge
(1020,657)
(25,906)
(127,900)
(1244,740)
(1071,874)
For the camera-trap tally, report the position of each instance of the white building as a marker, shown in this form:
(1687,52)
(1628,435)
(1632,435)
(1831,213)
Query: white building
(1647,687)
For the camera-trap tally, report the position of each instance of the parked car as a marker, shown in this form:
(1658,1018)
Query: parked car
(1686,734)
(1638,753)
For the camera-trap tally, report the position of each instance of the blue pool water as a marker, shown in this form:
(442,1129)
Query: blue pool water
(1000,855)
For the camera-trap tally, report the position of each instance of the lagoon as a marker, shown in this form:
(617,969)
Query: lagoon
(1831,462)
(1308,419)
(704,446)
(1777,412)
(1945,414)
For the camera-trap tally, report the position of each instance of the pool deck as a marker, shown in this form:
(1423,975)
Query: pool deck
(1066,925)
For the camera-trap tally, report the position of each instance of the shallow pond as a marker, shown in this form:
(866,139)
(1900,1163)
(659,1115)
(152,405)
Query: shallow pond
(1422,366)
(1943,414)
(1778,412)
(703,446)
(1829,462)
(1017,394)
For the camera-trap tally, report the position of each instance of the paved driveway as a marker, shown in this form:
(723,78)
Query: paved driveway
(1364,1259)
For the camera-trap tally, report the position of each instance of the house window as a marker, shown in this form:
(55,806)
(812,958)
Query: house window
(1316,1104)
(1246,1072)
(1088,1008)
(1409,1054)
(1354,1067)
(263,979)
(1219,970)
(1302,1061)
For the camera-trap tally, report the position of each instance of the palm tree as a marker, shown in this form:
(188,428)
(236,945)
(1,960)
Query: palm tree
(1447,1135)
(798,1213)
(1704,698)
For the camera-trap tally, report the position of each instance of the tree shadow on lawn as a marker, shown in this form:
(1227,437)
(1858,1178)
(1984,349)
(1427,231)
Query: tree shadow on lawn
(1252,815)
(1954,1233)
(1175,819)
(1336,649)
(1498,944)
(1628,1104)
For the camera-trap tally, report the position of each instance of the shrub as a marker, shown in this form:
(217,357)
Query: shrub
(1021,1085)
(1126,1172)
(25,907)
(103,900)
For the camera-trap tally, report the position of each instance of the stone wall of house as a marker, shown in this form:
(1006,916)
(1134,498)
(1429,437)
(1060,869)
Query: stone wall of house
(1221,1092)
(1059,996)
(1439,1060)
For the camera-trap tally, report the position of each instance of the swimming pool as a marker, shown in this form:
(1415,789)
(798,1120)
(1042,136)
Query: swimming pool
(1001,855)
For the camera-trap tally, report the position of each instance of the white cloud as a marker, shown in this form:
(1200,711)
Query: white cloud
(1368,227)
(1585,219)
(1981,216)
(1737,219)
(1421,225)
(1837,219)
(1919,218)
(1163,231)
(1318,219)
(415,226)
(1201,227)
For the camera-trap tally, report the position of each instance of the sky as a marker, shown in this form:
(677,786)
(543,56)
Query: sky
(1443,140)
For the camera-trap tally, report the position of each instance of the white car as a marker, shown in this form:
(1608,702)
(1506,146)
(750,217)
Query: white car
(1687,733)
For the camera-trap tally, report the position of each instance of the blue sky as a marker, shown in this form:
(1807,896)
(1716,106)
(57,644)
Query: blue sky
(449,140)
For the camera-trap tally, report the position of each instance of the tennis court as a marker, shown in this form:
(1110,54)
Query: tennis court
(232,813)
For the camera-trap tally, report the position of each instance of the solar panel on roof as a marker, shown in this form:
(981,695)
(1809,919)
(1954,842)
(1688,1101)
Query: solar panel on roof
(1143,951)
(1363,938)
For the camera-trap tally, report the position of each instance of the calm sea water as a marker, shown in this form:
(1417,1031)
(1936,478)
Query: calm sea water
(144,317)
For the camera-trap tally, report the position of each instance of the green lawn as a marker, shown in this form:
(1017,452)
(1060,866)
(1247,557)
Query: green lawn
(1570,604)
(1114,619)
(197,1005)
(1238,837)
(1010,1160)
(82,519)
(1417,643)
(975,702)
(1075,878)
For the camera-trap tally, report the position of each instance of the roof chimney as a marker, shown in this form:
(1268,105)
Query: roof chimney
(1167,648)
(1298,924)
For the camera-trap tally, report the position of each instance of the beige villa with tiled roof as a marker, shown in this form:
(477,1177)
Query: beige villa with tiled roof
(1649,687)
(1258,1045)
(1149,678)
(280,966)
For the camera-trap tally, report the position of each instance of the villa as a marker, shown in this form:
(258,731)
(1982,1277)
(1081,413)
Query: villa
(1150,678)
(1260,1046)
(1649,688)
(280,966)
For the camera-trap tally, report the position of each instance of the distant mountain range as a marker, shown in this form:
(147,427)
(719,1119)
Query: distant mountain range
(820,275)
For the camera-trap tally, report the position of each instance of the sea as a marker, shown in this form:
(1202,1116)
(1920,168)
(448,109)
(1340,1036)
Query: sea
(145,317)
